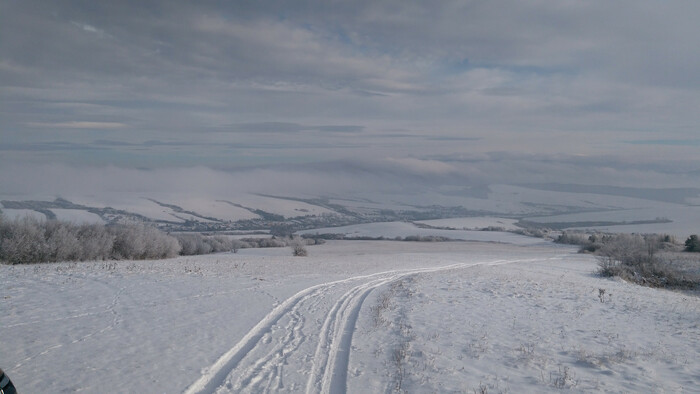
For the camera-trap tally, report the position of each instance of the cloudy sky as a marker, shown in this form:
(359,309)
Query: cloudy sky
(427,87)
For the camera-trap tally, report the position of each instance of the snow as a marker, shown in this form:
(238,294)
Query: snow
(280,206)
(355,316)
(524,196)
(131,203)
(501,200)
(405,229)
(77,216)
(211,208)
(532,325)
(516,200)
(685,220)
(364,206)
(20,213)
(474,223)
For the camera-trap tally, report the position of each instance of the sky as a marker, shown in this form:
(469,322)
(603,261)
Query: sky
(511,90)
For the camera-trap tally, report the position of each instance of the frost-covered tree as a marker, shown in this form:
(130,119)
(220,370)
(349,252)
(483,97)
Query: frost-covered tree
(628,249)
(23,241)
(692,244)
(62,241)
(193,244)
(28,240)
(298,246)
(137,241)
(96,242)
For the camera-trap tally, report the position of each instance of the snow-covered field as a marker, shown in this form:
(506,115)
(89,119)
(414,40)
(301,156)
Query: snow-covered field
(20,213)
(355,316)
(685,220)
(405,229)
(472,223)
(77,216)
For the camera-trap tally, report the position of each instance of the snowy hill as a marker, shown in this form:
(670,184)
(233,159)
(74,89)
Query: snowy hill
(560,207)
(353,316)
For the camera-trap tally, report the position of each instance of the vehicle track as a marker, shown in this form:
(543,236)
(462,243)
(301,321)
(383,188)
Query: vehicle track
(289,335)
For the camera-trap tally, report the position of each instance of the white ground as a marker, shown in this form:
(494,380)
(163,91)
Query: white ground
(77,216)
(20,213)
(473,223)
(208,206)
(392,230)
(353,316)
(131,203)
(685,220)
(503,200)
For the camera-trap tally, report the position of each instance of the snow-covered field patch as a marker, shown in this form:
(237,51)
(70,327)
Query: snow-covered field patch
(390,230)
(537,325)
(20,213)
(472,223)
(684,220)
(76,216)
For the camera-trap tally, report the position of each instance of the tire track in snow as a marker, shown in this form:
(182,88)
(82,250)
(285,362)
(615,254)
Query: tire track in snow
(266,371)
(215,376)
(330,363)
(329,372)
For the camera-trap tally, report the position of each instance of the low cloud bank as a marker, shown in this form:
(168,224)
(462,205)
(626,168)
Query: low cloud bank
(338,178)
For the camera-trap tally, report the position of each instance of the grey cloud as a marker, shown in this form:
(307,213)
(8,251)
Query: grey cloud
(669,142)
(339,129)
(47,146)
(171,143)
(112,143)
(446,138)
(575,77)
(78,125)
(264,127)
(286,127)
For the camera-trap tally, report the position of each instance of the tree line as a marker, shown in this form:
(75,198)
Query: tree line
(28,240)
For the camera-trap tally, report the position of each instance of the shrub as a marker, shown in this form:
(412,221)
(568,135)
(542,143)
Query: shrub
(692,244)
(28,240)
(573,238)
(219,243)
(23,241)
(96,242)
(62,242)
(299,250)
(137,241)
(426,238)
(271,243)
(298,246)
(634,258)
(626,249)
(530,232)
(191,244)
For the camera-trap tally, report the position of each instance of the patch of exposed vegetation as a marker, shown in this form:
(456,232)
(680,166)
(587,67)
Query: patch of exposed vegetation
(651,259)
(692,244)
